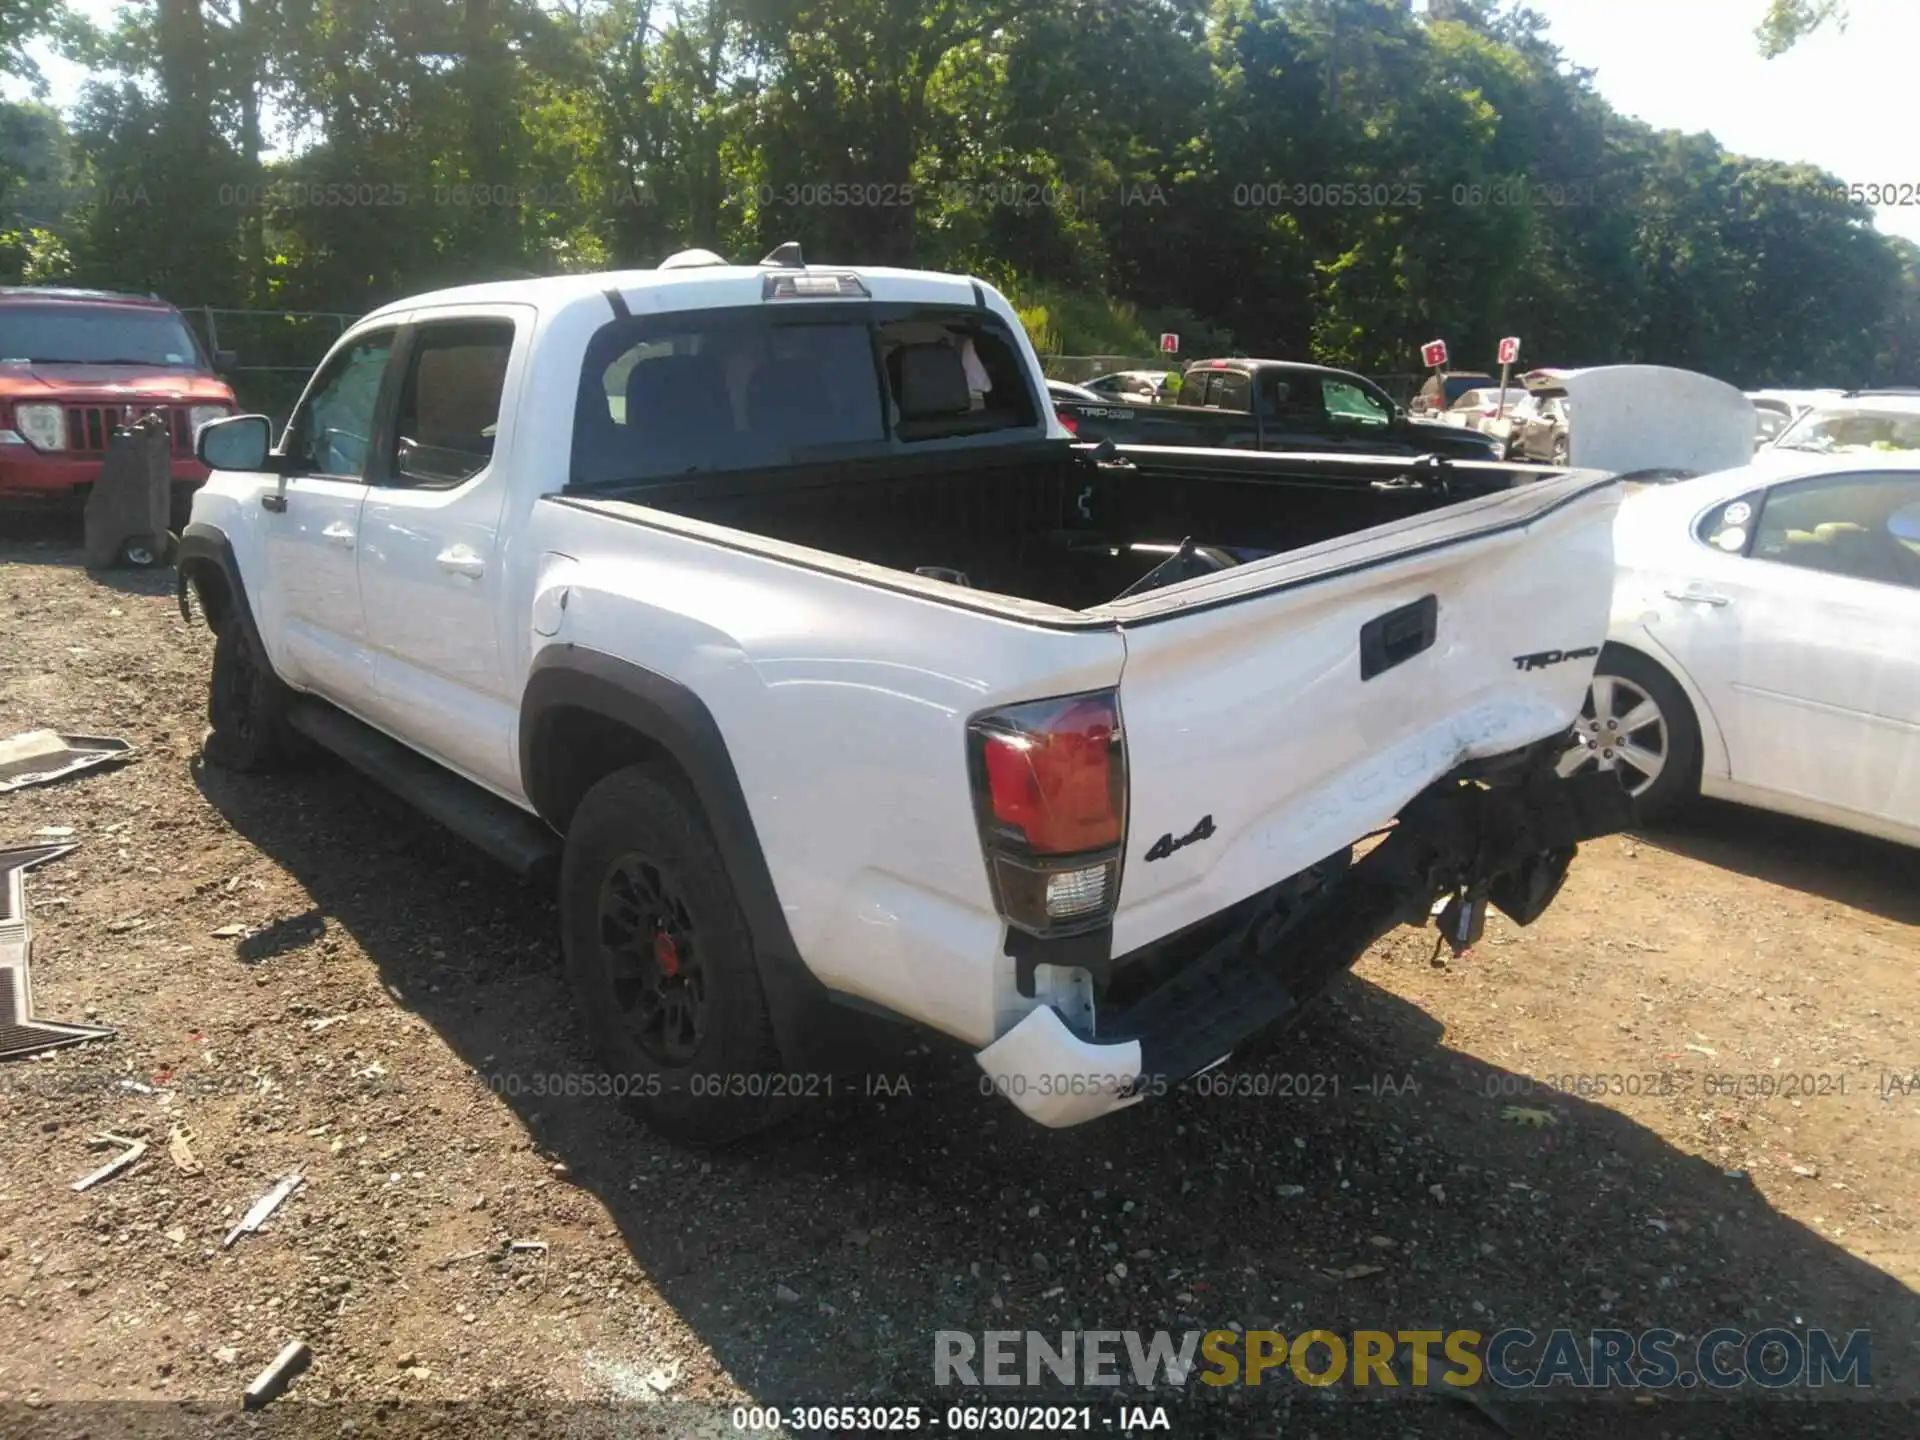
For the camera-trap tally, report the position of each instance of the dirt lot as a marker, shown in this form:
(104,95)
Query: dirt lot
(382,1014)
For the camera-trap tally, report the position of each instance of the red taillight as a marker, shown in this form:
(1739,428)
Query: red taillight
(1050,786)
(1056,787)
(1073,425)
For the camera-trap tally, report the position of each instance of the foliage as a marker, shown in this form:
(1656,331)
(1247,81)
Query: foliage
(33,257)
(1340,179)
(1787,22)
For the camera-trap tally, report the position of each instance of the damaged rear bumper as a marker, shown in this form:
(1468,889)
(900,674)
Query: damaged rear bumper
(1502,833)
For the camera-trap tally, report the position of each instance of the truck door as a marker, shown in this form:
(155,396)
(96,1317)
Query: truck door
(1232,393)
(310,590)
(430,557)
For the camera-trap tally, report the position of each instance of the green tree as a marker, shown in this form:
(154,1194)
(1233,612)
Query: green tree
(1788,22)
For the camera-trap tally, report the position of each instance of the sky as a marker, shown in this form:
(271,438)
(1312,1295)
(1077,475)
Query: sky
(1838,100)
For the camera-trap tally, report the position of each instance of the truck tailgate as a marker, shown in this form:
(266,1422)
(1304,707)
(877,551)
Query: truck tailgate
(1279,712)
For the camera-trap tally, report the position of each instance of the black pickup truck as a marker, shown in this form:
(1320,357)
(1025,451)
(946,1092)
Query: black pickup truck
(1276,405)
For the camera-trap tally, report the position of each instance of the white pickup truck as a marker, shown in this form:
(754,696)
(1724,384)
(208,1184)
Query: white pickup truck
(774,608)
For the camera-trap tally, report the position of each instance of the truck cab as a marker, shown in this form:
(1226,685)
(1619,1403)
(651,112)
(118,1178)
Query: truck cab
(77,364)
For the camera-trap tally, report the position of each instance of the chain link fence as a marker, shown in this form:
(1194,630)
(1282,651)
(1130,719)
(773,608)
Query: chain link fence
(1078,369)
(275,351)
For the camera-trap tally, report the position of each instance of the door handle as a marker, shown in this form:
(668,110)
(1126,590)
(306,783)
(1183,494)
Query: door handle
(1697,597)
(461,560)
(339,533)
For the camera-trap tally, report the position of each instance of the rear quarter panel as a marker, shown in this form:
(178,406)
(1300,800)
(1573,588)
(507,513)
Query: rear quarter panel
(844,708)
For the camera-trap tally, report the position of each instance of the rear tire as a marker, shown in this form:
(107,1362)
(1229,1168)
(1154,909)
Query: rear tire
(662,963)
(247,705)
(1651,721)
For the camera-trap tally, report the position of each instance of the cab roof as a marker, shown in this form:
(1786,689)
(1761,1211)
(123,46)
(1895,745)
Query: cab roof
(689,287)
(65,293)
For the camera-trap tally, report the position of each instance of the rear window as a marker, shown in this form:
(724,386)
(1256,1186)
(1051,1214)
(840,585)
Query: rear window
(742,390)
(80,334)
(1834,432)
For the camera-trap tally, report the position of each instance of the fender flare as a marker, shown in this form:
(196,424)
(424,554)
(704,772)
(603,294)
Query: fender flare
(205,550)
(673,721)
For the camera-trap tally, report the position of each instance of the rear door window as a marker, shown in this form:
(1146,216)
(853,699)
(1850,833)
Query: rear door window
(1859,525)
(1232,391)
(450,403)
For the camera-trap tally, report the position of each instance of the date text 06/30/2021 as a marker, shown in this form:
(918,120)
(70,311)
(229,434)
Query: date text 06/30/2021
(1014,1419)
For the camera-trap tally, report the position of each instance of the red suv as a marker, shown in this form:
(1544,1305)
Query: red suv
(76,363)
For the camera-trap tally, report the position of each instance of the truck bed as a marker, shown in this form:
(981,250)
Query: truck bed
(1055,524)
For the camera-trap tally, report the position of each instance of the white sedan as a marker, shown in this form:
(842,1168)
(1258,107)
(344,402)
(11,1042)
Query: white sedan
(1765,645)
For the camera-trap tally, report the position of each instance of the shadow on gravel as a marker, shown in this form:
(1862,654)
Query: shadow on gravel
(38,538)
(818,1266)
(1850,869)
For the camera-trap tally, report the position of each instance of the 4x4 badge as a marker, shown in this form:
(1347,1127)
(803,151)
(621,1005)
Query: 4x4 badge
(1166,844)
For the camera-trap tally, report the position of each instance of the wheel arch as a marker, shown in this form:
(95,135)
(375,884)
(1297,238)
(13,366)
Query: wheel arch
(1712,758)
(206,565)
(585,714)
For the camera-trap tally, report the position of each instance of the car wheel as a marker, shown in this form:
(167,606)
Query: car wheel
(662,964)
(247,705)
(1638,725)
(148,552)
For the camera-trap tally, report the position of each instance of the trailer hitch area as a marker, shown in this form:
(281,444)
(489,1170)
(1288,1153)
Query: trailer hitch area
(1462,919)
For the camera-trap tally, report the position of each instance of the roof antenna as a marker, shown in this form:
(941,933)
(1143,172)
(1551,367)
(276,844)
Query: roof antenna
(786,256)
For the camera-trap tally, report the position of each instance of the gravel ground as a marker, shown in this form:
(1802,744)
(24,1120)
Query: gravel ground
(304,976)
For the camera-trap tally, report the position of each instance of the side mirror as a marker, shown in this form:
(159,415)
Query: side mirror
(225,359)
(240,442)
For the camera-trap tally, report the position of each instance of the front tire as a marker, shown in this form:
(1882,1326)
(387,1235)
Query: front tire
(1638,724)
(662,963)
(247,705)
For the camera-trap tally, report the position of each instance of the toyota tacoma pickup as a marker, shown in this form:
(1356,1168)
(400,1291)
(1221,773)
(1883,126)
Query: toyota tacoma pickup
(770,611)
(1277,405)
(77,364)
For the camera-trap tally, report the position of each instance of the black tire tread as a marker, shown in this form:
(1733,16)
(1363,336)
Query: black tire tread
(646,808)
(273,744)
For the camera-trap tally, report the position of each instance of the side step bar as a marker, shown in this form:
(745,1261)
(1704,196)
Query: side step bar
(510,835)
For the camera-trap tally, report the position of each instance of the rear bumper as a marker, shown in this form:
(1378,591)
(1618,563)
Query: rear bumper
(1502,832)
(29,478)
